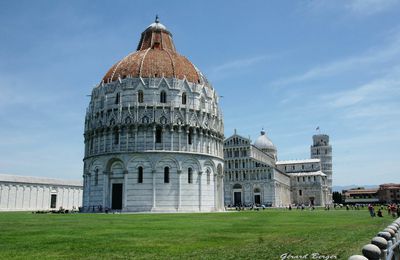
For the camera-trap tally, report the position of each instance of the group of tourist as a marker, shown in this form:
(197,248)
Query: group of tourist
(392,210)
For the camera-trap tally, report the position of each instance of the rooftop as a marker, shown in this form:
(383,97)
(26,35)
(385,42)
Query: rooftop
(38,180)
(298,161)
(155,57)
(300,174)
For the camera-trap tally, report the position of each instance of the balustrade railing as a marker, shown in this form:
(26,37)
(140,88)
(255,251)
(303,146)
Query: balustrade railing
(385,246)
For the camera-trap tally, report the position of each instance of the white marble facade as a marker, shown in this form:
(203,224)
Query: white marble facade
(253,175)
(185,138)
(154,143)
(21,193)
(309,185)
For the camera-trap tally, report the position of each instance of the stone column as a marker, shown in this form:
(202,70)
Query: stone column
(194,141)
(23,195)
(172,138)
(111,139)
(200,190)
(105,188)
(104,140)
(154,137)
(179,190)
(198,141)
(221,193)
(163,138)
(98,142)
(95,140)
(125,190)
(179,137)
(145,138)
(215,192)
(119,139)
(136,134)
(153,171)
(201,141)
(187,140)
(8,196)
(88,184)
(127,138)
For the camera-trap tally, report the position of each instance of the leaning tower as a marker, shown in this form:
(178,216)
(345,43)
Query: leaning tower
(321,149)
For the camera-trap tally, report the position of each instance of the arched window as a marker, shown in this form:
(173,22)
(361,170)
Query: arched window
(145,120)
(184,98)
(140,174)
(190,136)
(117,98)
(237,186)
(158,135)
(102,102)
(190,175)
(208,176)
(140,96)
(202,103)
(166,175)
(96,177)
(116,136)
(163,97)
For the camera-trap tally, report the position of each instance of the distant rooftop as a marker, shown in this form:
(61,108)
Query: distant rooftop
(301,174)
(298,161)
(38,180)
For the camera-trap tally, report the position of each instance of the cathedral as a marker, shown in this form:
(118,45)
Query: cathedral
(254,176)
(154,142)
(154,134)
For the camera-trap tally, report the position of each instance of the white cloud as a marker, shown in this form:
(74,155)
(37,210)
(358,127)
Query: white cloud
(360,8)
(370,7)
(370,58)
(238,64)
(372,93)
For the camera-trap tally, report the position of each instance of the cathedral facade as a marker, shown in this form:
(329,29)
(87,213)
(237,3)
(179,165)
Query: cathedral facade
(254,176)
(154,134)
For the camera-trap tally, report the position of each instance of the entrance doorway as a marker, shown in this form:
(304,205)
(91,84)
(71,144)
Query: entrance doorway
(257,196)
(238,198)
(53,201)
(116,200)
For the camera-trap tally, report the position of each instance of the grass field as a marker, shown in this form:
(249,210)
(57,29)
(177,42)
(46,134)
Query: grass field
(250,235)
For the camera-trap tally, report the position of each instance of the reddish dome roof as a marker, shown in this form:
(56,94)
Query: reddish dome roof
(155,57)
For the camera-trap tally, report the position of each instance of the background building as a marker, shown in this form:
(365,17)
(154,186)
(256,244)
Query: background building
(389,192)
(251,176)
(22,193)
(154,133)
(321,149)
(308,184)
(254,176)
(360,195)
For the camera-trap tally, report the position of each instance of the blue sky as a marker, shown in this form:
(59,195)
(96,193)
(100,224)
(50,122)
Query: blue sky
(287,66)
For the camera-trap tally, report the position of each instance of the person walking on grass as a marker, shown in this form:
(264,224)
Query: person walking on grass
(393,209)
(380,213)
(371,210)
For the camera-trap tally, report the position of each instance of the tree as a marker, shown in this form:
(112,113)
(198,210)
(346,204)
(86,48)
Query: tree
(337,197)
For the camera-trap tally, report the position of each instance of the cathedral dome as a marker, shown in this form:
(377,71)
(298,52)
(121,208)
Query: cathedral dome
(263,142)
(155,57)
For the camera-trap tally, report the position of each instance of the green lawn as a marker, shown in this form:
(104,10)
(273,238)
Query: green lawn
(251,235)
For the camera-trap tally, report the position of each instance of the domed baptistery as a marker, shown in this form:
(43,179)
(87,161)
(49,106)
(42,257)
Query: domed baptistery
(154,134)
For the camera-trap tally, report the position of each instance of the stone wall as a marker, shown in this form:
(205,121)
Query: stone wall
(36,196)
